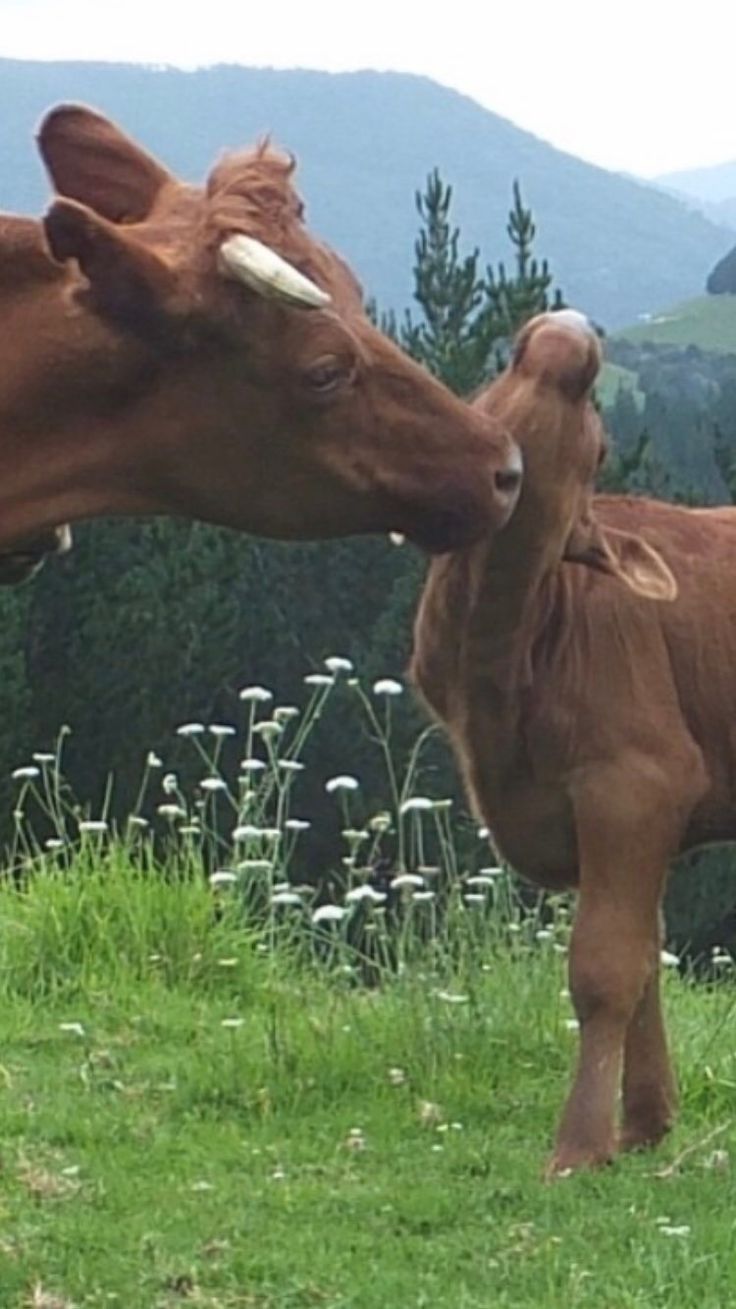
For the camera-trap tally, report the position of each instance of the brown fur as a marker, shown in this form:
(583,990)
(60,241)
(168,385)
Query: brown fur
(594,725)
(136,378)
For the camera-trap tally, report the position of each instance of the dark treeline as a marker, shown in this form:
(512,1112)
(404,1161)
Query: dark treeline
(148,625)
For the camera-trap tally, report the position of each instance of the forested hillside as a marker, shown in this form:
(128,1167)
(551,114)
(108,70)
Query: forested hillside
(365,142)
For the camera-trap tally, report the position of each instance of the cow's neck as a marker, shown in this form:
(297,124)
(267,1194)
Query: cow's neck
(59,460)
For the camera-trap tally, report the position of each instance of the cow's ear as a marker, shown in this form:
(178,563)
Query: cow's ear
(126,281)
(623,555)
(92,161)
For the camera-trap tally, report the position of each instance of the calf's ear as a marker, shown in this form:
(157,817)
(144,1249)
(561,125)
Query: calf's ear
(126,281)
(90,160)
(623,555)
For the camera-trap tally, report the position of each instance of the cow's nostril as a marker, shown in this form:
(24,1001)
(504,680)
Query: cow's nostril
(508,481)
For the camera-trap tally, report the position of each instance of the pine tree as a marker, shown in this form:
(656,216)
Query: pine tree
(469,319)
(512,301)
(449,290)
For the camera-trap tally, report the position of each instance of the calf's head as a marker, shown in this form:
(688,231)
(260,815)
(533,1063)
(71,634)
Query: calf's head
(544,399)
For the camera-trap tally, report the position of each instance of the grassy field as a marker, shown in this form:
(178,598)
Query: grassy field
(709,321)
(197,1112)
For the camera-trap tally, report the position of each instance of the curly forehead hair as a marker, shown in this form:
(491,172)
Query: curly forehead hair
(256,183)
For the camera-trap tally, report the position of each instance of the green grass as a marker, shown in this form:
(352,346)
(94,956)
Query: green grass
(343,1147)
(708,321)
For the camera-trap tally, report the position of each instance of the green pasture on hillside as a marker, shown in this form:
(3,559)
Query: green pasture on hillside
(709,321)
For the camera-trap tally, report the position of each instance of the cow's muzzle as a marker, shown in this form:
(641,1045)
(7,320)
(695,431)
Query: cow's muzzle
(24,560)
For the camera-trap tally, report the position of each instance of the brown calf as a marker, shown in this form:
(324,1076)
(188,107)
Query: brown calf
(593,725)
(193,350)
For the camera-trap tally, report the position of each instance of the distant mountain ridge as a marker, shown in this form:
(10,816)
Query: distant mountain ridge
(714,183)
(365,142)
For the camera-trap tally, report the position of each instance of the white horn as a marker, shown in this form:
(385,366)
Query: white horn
(247,260)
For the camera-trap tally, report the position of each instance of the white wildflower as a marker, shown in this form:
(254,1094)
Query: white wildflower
(479,879)
(442,805)
(297,824)
(683,1230)
(93,825)
(25,774)
(54,843)
(355,1140)
(397,1076)
(153,761)
(255,866)
(319,679)
(286,898)
(221,729)
(190,829)
(365,892)
(213,784)
(572,1024)
(285,712)
(406,879)
(416,803)
(169,783)
(75,1029)
(224,877)
(492,871)
(668,959)
(387,686)
(380,822)
(328,913)
(44,757)
(474,898)
(256,694)
(268,730)
(422,897)
(252,765)
(232,1022)
(544,934)
(171,811)
(190,729)
(343,782)
(338,664)
(451,997)
(227,963)
(290,766)
(136,820)
(246,832)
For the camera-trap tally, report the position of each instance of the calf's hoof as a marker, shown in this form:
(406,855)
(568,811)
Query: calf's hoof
(567,1160)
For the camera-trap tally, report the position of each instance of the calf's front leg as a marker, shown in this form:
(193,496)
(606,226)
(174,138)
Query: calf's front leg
(613,960)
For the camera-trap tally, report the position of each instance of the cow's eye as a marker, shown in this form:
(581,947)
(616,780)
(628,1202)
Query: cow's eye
(328,374)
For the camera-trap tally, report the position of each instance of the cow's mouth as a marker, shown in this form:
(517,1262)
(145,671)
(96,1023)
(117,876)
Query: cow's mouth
(22,562)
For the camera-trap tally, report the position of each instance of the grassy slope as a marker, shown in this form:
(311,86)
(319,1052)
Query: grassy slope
(161,1159)
(708,322)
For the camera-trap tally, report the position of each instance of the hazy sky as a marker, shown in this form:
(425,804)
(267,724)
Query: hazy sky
(644,86)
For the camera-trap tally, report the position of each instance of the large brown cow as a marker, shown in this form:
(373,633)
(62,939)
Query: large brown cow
(592,709)
(193,350)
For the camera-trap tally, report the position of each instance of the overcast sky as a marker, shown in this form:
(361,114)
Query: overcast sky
(643,86)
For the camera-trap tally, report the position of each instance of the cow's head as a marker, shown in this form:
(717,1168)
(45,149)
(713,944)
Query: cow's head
(234,365)
(544,398)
